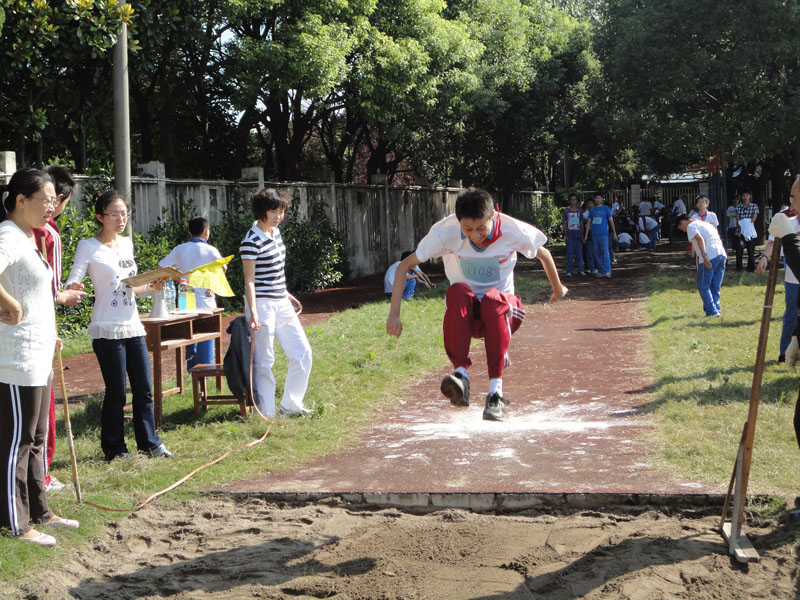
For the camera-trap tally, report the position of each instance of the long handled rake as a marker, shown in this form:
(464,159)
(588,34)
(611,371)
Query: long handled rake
(73,459)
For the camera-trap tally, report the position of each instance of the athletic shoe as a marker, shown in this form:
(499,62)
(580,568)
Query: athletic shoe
(583,273)
(38,538)
(160,452)
(782,359)
(121,456)
(54,485)
(569,274)
(606,274)
(614,261)
(595,271)
(456,387)
(294,414)
(63,523)
(495,408)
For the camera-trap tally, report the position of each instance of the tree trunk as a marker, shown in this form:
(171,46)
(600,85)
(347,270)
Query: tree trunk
(144,124)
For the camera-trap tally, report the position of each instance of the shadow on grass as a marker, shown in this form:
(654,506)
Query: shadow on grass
(714,388)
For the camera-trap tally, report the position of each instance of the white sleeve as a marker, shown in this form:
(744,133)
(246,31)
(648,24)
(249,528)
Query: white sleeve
(9,248)
(169,260)
(80,263)
(430,246)
(691,231)
(532,240)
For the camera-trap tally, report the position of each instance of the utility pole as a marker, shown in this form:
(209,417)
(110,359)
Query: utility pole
(122,128)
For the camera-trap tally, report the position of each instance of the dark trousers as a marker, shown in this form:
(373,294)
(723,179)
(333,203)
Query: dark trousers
(23,428)
(751,251)
(116,357)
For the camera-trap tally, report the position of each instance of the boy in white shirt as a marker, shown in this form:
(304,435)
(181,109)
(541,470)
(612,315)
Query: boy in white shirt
(185,257)
(711,259)
(479,248)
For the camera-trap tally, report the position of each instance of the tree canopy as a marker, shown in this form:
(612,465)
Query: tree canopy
(506,94)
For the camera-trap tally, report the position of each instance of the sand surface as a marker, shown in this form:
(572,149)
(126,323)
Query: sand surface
(225,548)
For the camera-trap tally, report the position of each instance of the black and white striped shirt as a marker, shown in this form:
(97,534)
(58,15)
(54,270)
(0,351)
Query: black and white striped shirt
(270,256)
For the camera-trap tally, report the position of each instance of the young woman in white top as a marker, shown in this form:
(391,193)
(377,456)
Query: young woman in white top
(28,331)
(118,336)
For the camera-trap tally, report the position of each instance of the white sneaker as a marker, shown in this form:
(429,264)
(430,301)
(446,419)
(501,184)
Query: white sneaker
(55,485)
(291,414)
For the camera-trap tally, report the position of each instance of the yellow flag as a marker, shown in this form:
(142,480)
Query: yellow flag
(212,277)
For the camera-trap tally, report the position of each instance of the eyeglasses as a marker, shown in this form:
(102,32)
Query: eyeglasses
(51,203)
(121,216)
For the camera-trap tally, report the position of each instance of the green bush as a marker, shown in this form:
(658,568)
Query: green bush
(316,253)
(546,216)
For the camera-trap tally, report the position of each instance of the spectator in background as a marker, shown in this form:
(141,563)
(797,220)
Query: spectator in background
(649,226)
(645,207)
(746,215)
(412,277)
(624,241)
(601,224)
(678,209)
(711,259)
(732,231)
(185,257)
(574,228)
(588,251)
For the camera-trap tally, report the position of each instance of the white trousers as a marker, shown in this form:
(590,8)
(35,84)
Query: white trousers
(278,320)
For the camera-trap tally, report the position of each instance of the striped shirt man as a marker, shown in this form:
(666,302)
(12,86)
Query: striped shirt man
(270,256)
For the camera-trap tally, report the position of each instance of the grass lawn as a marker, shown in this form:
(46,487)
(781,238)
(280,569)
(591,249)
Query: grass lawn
(703,370)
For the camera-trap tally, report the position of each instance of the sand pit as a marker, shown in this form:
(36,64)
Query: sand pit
(250,548)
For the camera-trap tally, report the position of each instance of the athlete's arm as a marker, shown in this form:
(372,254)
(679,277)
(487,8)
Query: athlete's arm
(559,291)
(394,326)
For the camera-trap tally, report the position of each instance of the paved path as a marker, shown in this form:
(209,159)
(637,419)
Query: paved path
(573,426)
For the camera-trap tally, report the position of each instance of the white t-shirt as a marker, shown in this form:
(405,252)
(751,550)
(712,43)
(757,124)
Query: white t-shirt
(645,208)
(491,266)
(649,222)
(191,255)
(789,276)
(624,238)
(388,278)
(657,206)
(26,351)
(114,315)
(709,217)
(643,239)
(679,208)
(731,213)
(615,208)
(708,232)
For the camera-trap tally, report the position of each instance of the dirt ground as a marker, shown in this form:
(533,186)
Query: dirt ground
(225,548)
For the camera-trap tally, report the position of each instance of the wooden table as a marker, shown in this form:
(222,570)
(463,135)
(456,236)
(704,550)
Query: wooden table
(175,333)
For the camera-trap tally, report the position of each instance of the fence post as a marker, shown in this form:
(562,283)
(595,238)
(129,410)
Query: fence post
(8,164)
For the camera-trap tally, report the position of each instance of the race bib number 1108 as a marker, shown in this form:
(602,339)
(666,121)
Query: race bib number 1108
(481,270)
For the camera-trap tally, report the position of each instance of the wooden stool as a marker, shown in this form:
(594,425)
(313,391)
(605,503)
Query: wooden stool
(200,391)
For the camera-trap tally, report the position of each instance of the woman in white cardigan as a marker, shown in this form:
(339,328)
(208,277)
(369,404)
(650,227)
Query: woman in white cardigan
(118,336)
(28,331)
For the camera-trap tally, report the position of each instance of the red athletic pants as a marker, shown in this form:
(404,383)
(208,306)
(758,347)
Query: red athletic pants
(494,318)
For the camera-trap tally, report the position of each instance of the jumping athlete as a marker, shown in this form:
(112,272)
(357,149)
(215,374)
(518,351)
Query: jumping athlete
(479,248)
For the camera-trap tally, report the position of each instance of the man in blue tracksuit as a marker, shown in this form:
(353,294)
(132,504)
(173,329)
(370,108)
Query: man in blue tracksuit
(600,221)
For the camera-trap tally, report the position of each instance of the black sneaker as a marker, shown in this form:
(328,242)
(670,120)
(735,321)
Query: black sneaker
(121,456)
(456,387)
(495,408)
(782,359)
